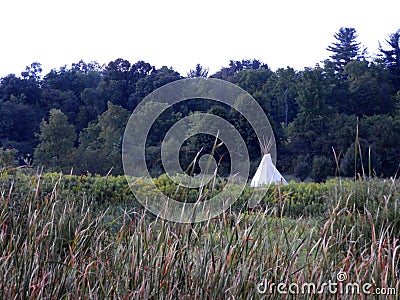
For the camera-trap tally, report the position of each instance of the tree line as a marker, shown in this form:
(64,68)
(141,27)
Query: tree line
(340,117)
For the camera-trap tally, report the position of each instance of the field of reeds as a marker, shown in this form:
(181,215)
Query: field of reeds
(69,237)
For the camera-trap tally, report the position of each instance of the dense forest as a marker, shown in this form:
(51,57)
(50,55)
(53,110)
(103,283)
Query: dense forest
(341,116)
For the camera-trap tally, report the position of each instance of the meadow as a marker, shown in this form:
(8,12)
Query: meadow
(71,237)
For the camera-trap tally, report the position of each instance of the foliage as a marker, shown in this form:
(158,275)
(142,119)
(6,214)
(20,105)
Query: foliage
(311,111)
(198,71)
(8,158)
(391,57)
(292,200)
(346,48)
(57,139)
(321,168)
(59,241)
(302,169)
(307,132)
(368,89)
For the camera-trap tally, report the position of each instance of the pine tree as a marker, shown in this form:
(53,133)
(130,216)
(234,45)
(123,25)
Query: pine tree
(391,57)
(346,48)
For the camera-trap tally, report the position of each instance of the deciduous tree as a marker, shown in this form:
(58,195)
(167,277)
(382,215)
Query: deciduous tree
(56,147)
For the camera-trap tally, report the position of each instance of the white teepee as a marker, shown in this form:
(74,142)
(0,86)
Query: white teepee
(267,173)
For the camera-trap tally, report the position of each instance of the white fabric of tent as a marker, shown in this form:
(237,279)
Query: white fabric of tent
(267,173)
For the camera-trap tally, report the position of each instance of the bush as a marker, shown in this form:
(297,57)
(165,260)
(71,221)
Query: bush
(7,158)
(302,170)
(292,200)
(321,168)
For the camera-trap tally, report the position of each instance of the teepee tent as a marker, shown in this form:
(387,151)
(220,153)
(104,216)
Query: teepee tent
(267,173)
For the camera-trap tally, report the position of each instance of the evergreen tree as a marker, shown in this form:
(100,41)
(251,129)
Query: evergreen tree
(346,47)
(391,57)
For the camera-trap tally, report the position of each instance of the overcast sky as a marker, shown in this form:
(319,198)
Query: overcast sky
(180,34)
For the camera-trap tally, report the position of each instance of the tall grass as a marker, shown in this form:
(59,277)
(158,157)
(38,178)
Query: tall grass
(67,246)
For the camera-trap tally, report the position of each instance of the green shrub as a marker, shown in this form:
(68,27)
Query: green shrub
(292,200)
(7,158)
(321,168)
(302,170)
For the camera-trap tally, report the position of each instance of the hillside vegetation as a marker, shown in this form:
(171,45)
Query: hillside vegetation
(74,117)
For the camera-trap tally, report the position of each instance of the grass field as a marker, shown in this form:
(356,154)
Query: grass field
(59,242)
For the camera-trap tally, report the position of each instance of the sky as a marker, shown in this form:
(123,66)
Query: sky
(180,34)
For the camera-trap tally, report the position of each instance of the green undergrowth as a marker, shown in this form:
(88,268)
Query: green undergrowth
(292,200)
(70,237)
